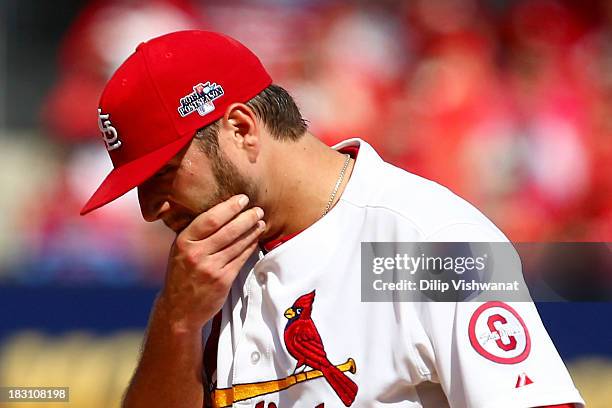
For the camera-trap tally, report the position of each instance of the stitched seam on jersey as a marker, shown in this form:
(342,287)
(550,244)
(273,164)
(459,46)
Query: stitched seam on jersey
(426,236)
(483,227)
(380,207)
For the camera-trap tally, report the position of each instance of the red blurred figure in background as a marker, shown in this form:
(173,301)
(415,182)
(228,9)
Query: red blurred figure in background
(508,105)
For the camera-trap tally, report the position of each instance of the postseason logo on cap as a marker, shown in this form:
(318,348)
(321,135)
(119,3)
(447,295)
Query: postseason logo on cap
(201,99)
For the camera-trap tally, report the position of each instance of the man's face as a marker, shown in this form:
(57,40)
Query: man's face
(191,183)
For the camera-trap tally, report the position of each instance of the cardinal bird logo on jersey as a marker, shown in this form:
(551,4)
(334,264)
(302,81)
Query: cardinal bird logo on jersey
(304,343)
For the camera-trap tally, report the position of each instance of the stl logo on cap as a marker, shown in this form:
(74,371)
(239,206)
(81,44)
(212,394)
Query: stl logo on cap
(201,99)
(109,133)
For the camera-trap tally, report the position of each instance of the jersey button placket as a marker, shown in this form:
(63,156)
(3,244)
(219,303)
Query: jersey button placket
(255,356)
(261,278)
(253,308)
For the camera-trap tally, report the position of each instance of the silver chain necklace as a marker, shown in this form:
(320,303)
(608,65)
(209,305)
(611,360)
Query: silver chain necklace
(338,183)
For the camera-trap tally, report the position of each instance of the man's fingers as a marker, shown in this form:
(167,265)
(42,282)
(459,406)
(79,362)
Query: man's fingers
(212,220)
(233,230)
(234,250)
(237,263)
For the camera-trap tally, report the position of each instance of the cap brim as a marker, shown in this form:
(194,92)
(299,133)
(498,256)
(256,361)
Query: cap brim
(132,174)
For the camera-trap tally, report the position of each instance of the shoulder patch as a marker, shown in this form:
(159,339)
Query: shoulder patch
(498,333)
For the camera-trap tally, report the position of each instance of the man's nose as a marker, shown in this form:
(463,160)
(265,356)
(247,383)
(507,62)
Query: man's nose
(151,205)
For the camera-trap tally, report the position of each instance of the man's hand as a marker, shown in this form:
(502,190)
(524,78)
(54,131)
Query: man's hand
(206,258)
(204,261)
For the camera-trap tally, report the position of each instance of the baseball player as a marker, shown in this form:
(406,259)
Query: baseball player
(261,303)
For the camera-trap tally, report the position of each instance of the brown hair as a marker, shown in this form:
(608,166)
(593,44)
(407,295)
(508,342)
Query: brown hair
(276,109)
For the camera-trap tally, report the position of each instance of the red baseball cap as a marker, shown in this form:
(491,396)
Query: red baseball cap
(170,87)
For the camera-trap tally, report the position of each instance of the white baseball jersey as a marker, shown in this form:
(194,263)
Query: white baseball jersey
(300,304)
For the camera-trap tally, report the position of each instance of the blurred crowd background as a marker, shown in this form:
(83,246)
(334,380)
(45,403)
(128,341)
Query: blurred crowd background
(506,102)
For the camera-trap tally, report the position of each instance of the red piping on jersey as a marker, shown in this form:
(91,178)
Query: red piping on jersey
(353,151)
(267,246)
(270,245)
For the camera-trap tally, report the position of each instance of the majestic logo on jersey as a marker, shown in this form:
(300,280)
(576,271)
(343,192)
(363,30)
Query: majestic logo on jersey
(201,99)
(523,380)
(109,133)
(303,343)
(498,333)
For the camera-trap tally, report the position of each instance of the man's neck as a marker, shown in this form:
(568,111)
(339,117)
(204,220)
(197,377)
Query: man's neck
(301,179)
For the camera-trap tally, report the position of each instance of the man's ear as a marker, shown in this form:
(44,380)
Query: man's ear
(244,129)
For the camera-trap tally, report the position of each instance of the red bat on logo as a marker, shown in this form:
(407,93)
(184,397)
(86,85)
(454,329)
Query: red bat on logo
(304,344)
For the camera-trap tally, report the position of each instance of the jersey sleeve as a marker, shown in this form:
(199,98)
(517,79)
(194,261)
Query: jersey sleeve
(492,354)
(495,354)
